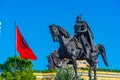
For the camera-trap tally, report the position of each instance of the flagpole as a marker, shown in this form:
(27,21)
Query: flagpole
(15,50)
(15,38)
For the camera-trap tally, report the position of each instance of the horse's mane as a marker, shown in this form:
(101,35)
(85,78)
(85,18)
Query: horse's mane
(63,31)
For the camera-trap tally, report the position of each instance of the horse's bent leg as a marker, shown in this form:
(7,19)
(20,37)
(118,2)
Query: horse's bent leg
(75,67)
(90,74)
(55,58)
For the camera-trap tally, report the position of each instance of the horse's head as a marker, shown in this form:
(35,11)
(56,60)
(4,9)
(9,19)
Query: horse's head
(54,32)
(57,32)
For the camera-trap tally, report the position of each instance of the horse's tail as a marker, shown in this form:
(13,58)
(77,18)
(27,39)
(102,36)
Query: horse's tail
(103,53)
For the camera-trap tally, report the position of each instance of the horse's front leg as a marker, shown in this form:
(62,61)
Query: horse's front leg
(75,67)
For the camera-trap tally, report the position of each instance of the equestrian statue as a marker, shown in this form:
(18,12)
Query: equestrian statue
(80,46)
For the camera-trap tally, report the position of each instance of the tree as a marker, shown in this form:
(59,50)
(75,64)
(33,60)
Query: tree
(16,68)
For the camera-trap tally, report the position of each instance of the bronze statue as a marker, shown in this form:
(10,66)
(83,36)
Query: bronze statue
(84,35)
(72,48)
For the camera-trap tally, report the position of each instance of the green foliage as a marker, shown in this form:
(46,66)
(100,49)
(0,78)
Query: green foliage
(16,68)
(108,70)
(45,71)
(65,72)
(101,69)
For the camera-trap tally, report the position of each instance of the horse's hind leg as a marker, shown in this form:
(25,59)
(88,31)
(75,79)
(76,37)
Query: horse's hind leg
(90,74)
(75,67)
(95,73)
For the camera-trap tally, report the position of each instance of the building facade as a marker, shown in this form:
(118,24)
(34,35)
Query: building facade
(101,75)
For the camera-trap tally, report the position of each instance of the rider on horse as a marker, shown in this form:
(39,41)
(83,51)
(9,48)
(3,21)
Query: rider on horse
(84,35)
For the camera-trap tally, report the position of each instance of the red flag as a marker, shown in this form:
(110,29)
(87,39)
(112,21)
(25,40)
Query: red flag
(22,46)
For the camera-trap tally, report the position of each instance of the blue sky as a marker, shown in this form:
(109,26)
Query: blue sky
(34,16)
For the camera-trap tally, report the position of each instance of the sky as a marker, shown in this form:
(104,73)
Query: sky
(34,16)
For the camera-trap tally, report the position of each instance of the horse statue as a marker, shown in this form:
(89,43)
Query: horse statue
(72,49)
